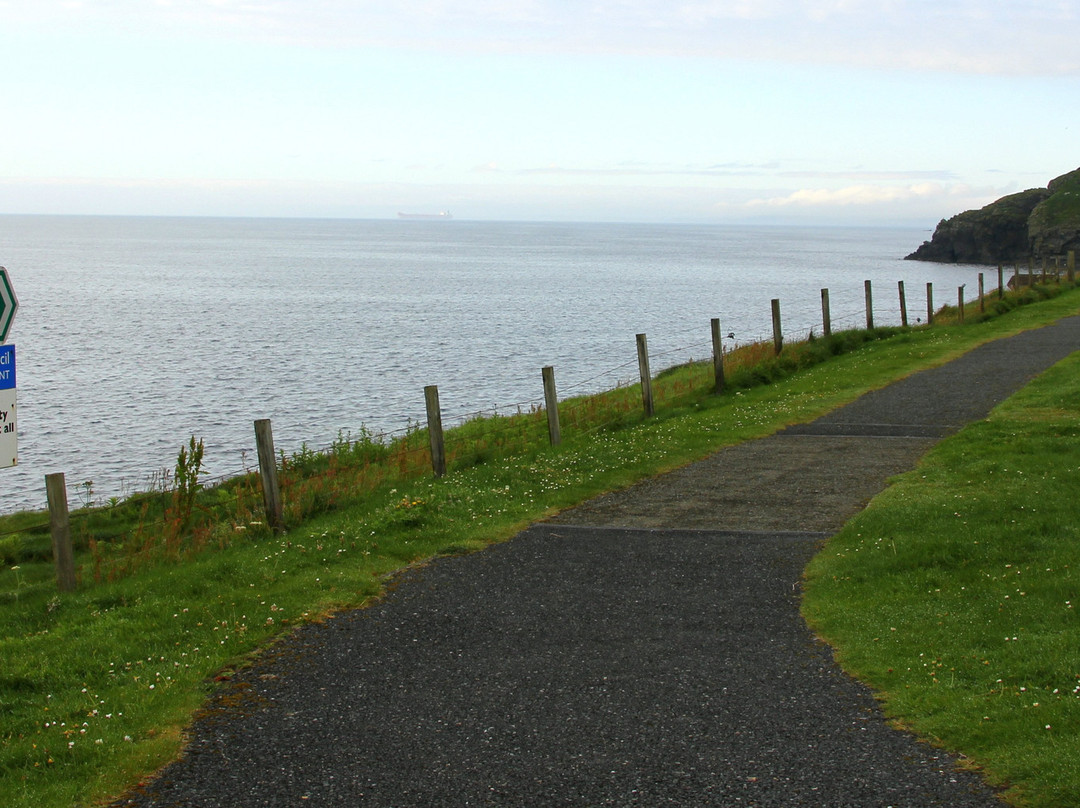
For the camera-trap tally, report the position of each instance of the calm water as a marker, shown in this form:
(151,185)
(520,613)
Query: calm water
(135,333)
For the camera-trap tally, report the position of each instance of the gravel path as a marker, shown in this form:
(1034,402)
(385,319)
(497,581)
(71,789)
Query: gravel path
(644,649)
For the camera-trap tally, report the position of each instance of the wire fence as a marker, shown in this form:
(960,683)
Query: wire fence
(125,533)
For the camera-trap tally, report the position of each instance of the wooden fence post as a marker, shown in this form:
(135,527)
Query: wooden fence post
(551,404)
(264,444)
(982,291)
(826,315)
(1070,265)
(960,301)
(646,377)
(903,304)
(1031,272)
(435,430)
(1001,282)
(777,331)
(717,356)
(60,527)
(929,303)
(1043,281)
(869,305)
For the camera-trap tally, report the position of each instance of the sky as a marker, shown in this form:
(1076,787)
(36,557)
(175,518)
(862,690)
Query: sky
(875,112)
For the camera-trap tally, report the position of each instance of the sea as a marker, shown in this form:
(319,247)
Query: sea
(134,334)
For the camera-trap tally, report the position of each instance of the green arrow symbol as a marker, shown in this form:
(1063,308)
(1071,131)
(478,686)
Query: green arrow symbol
(8,304)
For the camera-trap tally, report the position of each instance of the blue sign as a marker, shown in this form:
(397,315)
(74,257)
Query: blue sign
(7,367)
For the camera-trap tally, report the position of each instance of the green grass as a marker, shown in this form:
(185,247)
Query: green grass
(955,593)
(96,685)
(1063,206)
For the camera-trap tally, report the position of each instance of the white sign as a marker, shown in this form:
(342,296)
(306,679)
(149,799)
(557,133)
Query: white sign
(9,440)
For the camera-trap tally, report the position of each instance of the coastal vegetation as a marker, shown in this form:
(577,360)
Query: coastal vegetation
(179,586)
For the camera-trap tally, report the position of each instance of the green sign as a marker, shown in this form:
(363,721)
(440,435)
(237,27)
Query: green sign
(8,304)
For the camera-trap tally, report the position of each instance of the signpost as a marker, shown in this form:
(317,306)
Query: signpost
(8,426)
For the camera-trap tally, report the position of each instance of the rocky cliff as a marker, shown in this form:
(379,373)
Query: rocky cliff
(1038,223)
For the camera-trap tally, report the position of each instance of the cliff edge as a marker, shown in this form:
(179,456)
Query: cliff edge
(1037,223)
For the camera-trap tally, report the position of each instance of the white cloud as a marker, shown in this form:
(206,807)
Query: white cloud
(877,176)
(639,170)
(861,195)
(1035,37)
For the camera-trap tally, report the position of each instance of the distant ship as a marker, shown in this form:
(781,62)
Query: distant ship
(442,214)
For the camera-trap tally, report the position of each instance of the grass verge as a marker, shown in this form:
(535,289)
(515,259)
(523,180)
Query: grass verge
(97,685)
(955,593)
